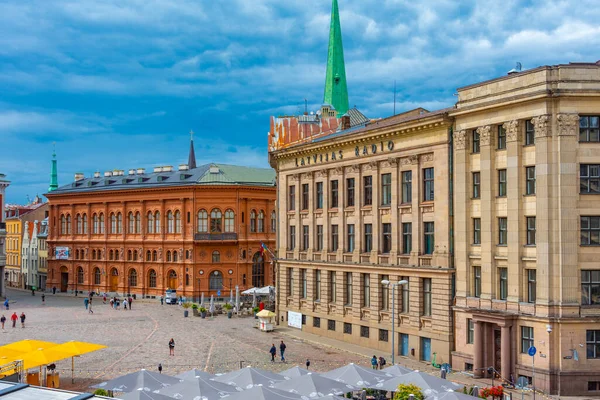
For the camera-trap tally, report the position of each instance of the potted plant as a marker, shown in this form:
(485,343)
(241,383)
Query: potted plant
(255,310)
(185,311)
(195,310)
(228,307)
(202,312)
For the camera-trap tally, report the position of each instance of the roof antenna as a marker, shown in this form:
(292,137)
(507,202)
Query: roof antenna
(305,107)
(394,97)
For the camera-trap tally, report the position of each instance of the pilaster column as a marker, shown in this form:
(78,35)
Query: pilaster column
(486,186)
(478,352)
(376,213)
(461,213)
(506,362)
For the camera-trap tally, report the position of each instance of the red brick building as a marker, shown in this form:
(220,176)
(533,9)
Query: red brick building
(195,230)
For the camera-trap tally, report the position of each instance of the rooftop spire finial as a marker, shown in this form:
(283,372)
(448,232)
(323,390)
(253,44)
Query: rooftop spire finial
(192,155)
(336,90)
(53,171)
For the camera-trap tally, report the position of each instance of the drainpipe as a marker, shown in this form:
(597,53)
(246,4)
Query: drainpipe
(451,217)
(277,241)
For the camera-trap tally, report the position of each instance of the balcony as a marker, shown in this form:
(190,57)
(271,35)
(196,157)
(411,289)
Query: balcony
(201,237)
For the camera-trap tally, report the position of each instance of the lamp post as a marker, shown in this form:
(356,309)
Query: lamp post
(385,282)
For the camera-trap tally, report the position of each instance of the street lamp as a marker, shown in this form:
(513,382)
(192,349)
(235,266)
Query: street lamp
(385,282)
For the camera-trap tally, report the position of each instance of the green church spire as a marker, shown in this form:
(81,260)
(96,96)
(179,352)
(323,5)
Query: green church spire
(336,91)
(53,173)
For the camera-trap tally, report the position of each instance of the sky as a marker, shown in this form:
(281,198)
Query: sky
(118,84)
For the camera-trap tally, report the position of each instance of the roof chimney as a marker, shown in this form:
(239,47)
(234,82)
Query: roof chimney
(79,176)
(97,174)
(345,122)
(157,169)
(132,172)
(183,167)
(167,168)
(108,173)
(141,171)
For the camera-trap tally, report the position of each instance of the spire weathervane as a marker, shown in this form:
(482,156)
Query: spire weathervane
(192,155)
(336,90)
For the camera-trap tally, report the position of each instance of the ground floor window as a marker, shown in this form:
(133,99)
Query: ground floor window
(364,331)
(347,328)
(383,335)
(593,386)
(316,322)
(331,325)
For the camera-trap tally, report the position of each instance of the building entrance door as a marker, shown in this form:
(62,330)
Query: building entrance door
(114,280)
(497,350)
(172,282)
(64,281)
(425,349)
(404,344)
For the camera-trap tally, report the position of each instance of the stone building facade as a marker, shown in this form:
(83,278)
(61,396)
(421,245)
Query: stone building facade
(358,207)
(194,230)
(42,247)
(526,226)
(4,183)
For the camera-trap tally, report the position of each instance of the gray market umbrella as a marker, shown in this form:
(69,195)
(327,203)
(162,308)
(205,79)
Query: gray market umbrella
(397,370)
(356,375)
(248,377)
(452,396)
(142,379)
(331,397)
(265,393)
(140,394)
(315,386)
(429,384)
(200,388)
(254,298)
(237,299)
(192,374)
(202,299)
(230,296)
(211,307)
(295,372)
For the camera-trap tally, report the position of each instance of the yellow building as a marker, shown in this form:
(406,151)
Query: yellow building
(14,237)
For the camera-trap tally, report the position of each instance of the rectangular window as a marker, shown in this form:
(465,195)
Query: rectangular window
(502,231)
(385,293)
(530,231)
(593,343)
(589,128)
(428,238)
(530,180)
(316,322)
(334,194)
(387,238)
(475,141)
(350,237)
(318,285)
(427,297)
(589,178)
(350,192)
(406,187)
(303,283)
(477,231)
(383,335)
(292,198)
(593,386)
(368,238)
(334,238)
(406,238)
(476,185)
(305,196)
(529,133)
(386,189)
(290,274)
(364,331)
(347,328)
(405,295)
(501,183)
(319,237)
(590,231)
(292,243)
(331,325)
(531,274)
(470,331)
(366,290)
(526,338)
(476,281)
(348,284)
(428,184)
(590,287)
(503,272)
(501,138)
(319,202)
(305,237)
(368,190)
(332,287)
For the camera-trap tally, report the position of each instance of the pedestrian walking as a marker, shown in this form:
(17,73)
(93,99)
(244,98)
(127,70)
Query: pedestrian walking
(160,368)
(90,307)
(2,321)
(125,304)
(282,348)
(22,320)
(104,299)
(14,319)
(161,301)
(43,299)
(112,303)
(32,291)
(273,352)
(6,303)
(172,347)
(53,289)
(118,304)
(374,362)
(307,363)
(86,301)
(130,301)
(381,362)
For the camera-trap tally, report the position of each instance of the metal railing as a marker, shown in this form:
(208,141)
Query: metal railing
(216,236)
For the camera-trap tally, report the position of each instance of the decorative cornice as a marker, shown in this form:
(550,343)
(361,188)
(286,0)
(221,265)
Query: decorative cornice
(541,127)
(293,177)
(426,157)
(322,173)
(352,169)
(460,140)
(512,131)
(485,136)
(568,124)
(307,175)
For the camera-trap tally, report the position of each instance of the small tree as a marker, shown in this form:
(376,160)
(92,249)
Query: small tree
(406,390)
(101,392)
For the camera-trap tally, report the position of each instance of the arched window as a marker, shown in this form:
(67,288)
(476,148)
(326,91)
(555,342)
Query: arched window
(138,222)
(93,254)
(132,277)
(258,270)
(119,223)
(129,255)
(216,280)
(80,275)
(101,223)
(63,225)
(85,224)
(111,255)
(273,222)
(113,223)
(175,256)
(202,221)
(130,223)
(150,227)
(216,221)
(148,255)
(261,221)
(177,222)
(216,256)
(168,255)
(253,221)
(77,254)
(79,224)
(116,254)
(154,255)
(157,222)
(135,255)
(68,224)
(95,224)
(187,279)
(229,221)
(170,220)
(97,276)
(152,278)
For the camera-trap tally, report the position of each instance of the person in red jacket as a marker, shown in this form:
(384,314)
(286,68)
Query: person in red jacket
(14,319)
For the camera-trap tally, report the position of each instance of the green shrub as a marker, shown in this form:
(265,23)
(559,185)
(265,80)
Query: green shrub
(187,305)
(255,310)
(227,306)
(405,390)
(194,306)
(202,309)
(101,392)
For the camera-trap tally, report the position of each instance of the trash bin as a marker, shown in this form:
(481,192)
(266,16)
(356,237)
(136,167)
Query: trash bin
(134,296)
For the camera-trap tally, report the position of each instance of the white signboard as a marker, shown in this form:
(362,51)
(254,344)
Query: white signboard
(295,319)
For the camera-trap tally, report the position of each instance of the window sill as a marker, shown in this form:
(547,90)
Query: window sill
(589,245)
(475,198)
(349,208)
(475,244)
(501,197)
(588,193)
(502,149)
(529,195)
(333,210)
(529,145)
(501,245)
(386,206)
(529,245)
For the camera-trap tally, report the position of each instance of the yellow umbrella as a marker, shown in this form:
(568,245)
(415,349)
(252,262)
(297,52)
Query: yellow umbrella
(78,348)
(26,346)
(42,357)
(265,314)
